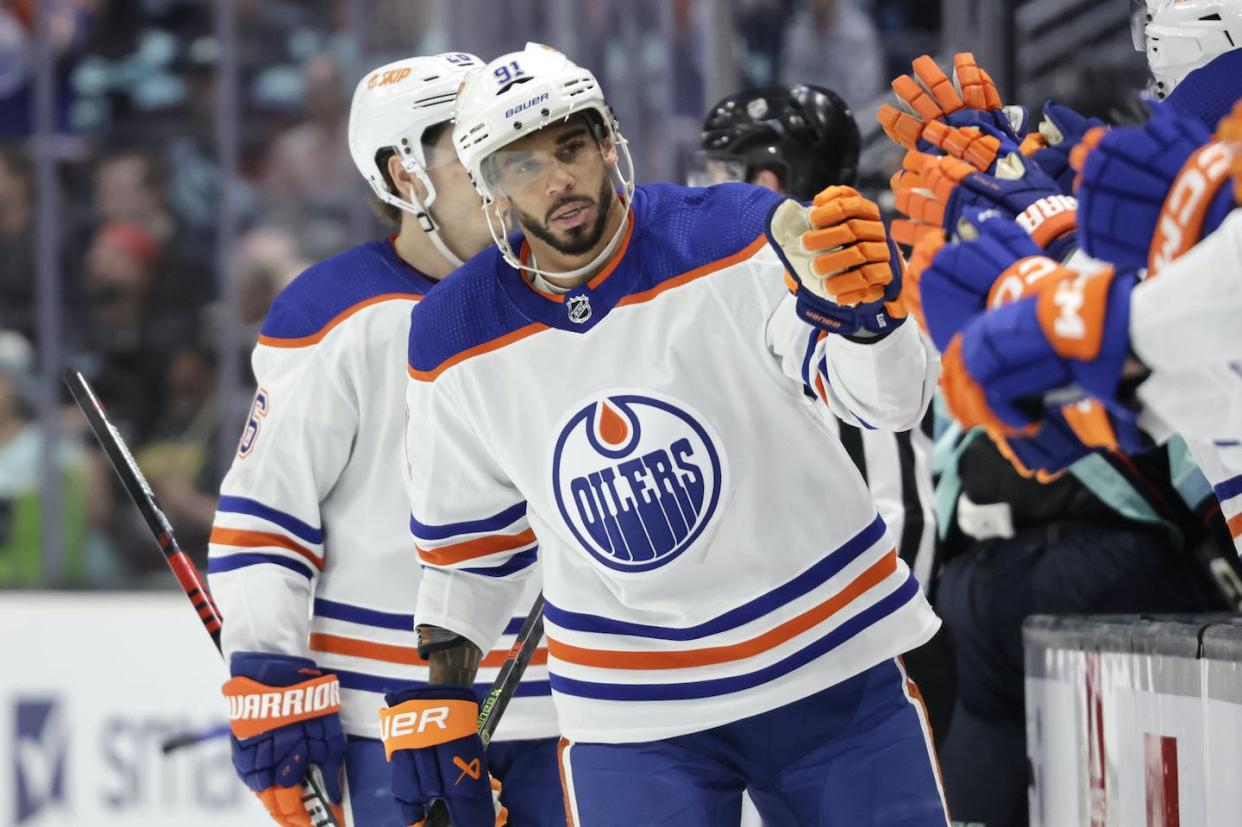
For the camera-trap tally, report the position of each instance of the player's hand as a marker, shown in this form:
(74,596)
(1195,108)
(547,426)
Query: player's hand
(934,192)
(1150,192)
(1229,132)
(845,271)
(968,98)
(1073,332)
(1066,434)
(990,261)
(1051,145)
(431,740)
(275,745)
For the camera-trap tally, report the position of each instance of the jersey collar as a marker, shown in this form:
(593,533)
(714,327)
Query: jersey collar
(581,308)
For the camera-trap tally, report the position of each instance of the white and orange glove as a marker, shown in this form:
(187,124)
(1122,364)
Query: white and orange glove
(285,716)
(842,266)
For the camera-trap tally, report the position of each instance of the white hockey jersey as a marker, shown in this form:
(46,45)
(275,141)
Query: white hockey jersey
(709,551)
(311,552)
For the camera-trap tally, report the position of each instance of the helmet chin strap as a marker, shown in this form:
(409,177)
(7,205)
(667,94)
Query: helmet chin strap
(428,226)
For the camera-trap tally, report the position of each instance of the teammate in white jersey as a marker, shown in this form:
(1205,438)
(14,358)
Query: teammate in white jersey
(623,379)
(311,558)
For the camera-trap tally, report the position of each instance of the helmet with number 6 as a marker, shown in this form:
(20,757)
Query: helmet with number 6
(520,93)
(393,107)
(1180,36)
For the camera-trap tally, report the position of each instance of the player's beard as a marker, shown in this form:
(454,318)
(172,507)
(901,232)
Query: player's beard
(581,240)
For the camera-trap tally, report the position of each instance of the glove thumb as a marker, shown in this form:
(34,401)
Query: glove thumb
(330,778)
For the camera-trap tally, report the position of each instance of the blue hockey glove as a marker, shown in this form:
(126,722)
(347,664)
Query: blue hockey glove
(1074,332)
(1148,193)
(284,713)
(934,192)
(1050,146)
(430,738)
(992,255)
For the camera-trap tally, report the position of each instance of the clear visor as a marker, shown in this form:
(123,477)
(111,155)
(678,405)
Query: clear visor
(1138,24)
(519,170)
(705,171)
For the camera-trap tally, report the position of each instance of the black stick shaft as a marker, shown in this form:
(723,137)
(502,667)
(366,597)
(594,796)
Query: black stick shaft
(313,797)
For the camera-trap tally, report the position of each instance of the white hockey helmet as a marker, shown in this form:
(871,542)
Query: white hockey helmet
(392,107)
(1179,36)
(520,93)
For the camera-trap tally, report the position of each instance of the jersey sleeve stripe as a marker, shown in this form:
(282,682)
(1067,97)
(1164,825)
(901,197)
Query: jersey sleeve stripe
(815,576)
(516,563)
(697,273)
(406,655)
(366,682)
(253,508)
(692,690)
(689,658)
(1228,489)
(317,336)
(239,538)
(474,549)
(219,565)
(478,350)
(1235,526)
(336,610)
(492,525)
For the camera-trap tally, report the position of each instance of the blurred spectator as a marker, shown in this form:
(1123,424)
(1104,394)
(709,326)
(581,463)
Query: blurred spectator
(180,458)
(835,43)
(130,188)
(21,449)
(266,260)
(309,164)
(126,335)
(17,266)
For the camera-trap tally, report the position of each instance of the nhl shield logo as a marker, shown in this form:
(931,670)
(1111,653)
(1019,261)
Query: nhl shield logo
(637,478)
(579,308)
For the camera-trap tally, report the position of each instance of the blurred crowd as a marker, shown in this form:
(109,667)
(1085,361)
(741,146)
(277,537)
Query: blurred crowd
(143,280)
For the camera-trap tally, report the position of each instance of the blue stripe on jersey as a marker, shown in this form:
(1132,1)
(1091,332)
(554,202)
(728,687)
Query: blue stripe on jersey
(381,683)
(254,508)
(809,580)
(494,523)
(812,340)
(367,617)
(517,562)
(335,610)
(1231,487)
(230,562)
(823,369)
(738,683)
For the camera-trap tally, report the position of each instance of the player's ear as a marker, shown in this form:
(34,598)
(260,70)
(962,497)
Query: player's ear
(408,186)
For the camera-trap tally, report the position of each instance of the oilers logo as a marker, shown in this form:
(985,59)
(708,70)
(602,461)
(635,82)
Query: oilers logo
(637,479)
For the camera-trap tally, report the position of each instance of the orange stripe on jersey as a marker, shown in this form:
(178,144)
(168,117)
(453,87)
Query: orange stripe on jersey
(261,539)
(407,655)
(612,659)
(316,337)
(477,350)
(697,273)
(480,547)
(1235,526)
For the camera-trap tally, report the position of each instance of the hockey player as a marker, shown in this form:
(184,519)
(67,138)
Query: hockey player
(623,377)
(311,560)
(797,141)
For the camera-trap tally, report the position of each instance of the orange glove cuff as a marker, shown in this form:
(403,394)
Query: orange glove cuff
(421,723)
(255,708)
(1185,207)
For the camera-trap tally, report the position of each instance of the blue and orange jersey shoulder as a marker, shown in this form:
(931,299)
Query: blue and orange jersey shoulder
(679,234)
(328,293)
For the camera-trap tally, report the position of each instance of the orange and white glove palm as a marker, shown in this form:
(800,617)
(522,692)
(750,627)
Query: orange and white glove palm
(841,264)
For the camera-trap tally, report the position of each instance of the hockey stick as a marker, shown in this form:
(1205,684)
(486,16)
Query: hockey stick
(313,797)
(503,688)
